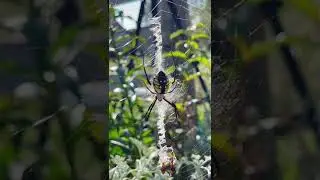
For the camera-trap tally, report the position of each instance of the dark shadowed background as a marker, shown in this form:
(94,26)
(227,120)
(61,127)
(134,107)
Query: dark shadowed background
(266,89)
(53,90)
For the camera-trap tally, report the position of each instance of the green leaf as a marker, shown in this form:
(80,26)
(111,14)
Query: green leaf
(192,76)
(260,49)
(170,69)
(202,60)
(180,43)
(123,38)
(177,33)
(132,71)
(223,144)
(177,54)
(113,134)
(111,10)
(201,112)
(125,140)
(200,26)
(193,44)
(140,39)
(199,36)
(147,140)
(116,150)
(146,132)
(132,130)
(180,107)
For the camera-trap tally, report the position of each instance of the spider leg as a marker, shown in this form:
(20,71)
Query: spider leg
(175,68)
(175,85)
(145,72)
(150,109)
(174,106)
(148,88)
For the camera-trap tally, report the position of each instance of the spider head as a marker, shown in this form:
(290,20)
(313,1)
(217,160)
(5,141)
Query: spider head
(161,73)
(162,78)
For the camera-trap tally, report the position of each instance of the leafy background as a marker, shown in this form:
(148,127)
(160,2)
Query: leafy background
(53,97)
(262,130)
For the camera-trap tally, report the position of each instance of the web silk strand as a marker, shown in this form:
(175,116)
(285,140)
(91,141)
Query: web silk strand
(166,153)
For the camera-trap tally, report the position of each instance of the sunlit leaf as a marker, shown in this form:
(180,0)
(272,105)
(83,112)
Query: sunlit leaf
(200,26)
(116,150)
(192,76)
(193,44)
(170,69)
(180,107)
(201,59)
(176,54)
(201,112)
(111,10)
(113,134)
(147,140)
(199,36)
(177,33)
(146,132)
(132,130)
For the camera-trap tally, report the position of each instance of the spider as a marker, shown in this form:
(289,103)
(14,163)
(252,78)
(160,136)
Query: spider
(160,85)
(170,167)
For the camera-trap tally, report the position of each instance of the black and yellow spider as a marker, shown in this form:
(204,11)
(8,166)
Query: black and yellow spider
(160,85)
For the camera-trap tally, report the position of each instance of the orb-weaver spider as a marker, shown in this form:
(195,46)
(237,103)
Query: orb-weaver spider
(169,166)
(160,85)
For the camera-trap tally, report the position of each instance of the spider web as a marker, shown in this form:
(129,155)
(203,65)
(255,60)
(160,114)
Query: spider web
(232,19)
(189,13)
(185,11)
(161,10)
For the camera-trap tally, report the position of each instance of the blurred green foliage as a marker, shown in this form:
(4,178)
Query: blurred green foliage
(287,150)
(39,139)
